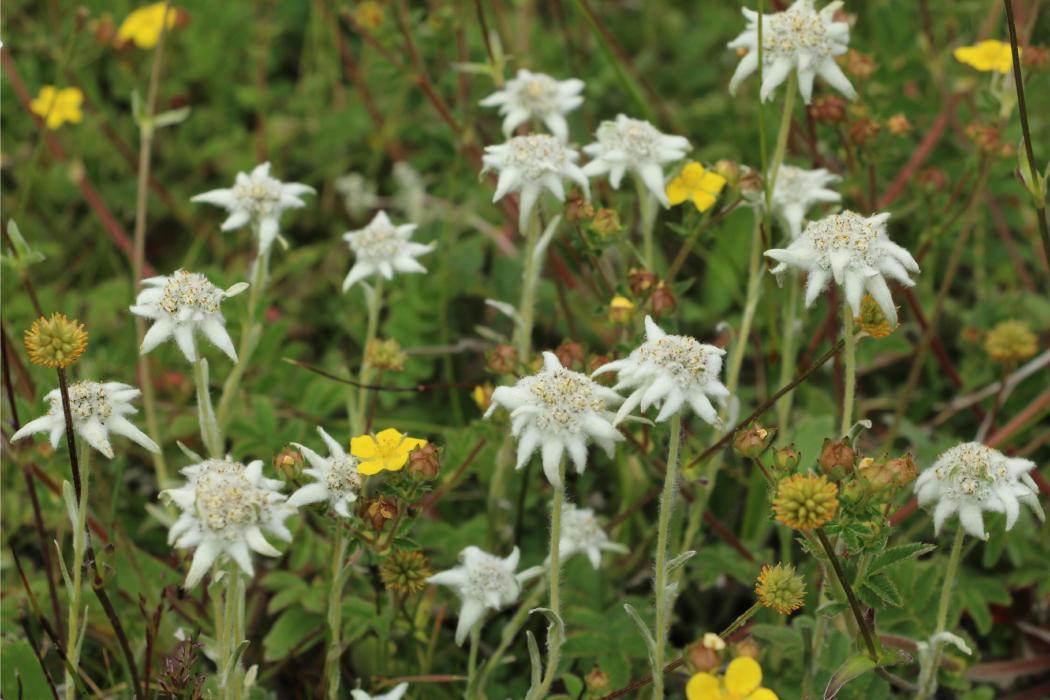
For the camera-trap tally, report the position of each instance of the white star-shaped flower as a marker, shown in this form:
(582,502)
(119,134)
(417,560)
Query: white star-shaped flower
(537,96)
(98,409)
(395,693)
(555,411)
(336,479)
(530,164)
(795,191)
(669,371)
(259,199)
(853,250)
(381,248)
(971,478)
(226,506)
(634,145)
(483,582)
(183,305)
(800,38)
(582,534)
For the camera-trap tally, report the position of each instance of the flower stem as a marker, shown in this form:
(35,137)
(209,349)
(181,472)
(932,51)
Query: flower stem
(74,624)
(740,621)
(249,335)
(375,306)
(554,639)
(230,636)
(849,354)
(660,573)
(854,604)
(787,351)
(510,630)
(754,287)
(527,306)
(647,210)
(928,674)
(335,614)
(211,434)
(472,662)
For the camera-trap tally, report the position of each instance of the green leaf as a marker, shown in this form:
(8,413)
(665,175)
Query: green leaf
(291,629)
(856,665)
(891,556)
(787,640)
(885,589)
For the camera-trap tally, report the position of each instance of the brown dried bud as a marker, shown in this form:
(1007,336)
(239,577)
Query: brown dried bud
(606,222)
(828,109)
(748,647)
(596,361)
(103,29)
(1035,57)
(502,359)
(571,354)
(640,281)
(786,459)
(752,441)
(885,477)
(863,131)
(986,137)
(705,655)
(727,169)
(377,511)
(424,462)
(933,178)
(662,300)
(577,208)
(288,463)
(597,681)
(859,65)
(898,124)
(836,458)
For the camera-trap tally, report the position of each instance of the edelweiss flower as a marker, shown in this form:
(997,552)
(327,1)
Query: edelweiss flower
(484,582)
(558,410)
(396,693)
(581,533)
(259,199)
(635,145)
(799,38)
(528,164)
(856,252)
(970,478)
(537,96)
(183,305)
(225,508)
(98,409)
(335,477)
(795,191)
(383,249)
(669,371)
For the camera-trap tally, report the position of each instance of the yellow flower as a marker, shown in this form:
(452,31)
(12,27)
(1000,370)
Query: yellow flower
(57,107)
(482,395)
(990,55)
(388,450)
(620,309)
(743,681)
(142,26)
(805,502)
(56,341)
(696,184)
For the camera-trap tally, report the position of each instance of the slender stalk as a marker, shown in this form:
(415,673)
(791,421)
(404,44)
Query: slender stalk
(230,634)
(335,614)
(527,306)
(472,662)
(787,350)
(510,631)
(74,640)
(660,573)
(854,604)
(1038,195)
(375,306)
(211,434)
(849,355)
(754,288)
(554,639)
(781,146)
(647,210)
(249,334)
(740,621)
(928,674)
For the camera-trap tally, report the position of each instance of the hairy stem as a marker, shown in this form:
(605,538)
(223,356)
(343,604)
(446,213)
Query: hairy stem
(230,635)
(787,350)
(249,334)
(527,306)
(660,572)
(74,640)
(854,604)
(510,631)
(850,360)
(554,639)
(211,434)
(334,616)
(375,306)
(647,210)
(928,674)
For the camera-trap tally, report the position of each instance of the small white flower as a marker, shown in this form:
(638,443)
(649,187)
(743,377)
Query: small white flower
(855,251)
(528,164)
(335,477)
(581,533)
(484,582)
(411,197)
(181,306)
(670,371)
(226,506)
(358,192)
(396,693)
(558,410)
(799,38)
(795,191)
(971,478)
(383,249)
(259,199)
(98,409)
(537,96)
(634,145)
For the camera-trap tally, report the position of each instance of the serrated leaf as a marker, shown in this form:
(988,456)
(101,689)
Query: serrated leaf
(291,629)
(855,666)
(679,561)
(885,589)
(896,554)
(832,609)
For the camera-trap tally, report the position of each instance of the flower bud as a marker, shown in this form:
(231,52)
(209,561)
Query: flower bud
(863,131)
(662,300)
(1035,57)
(424,462)
(597,681)
(482,395)
(502,359)
(571,354)
(786,459)
(1011,342)
(405,571)
(727,169)
(596,361)
(837,458)
(898,125)
(828,109)
(752,441)
(779,588)
(606,222)
(377,511)
(748,647)
(640,281)
(577,208)
(620,310)
(385,355)
(702,658)
(288,463)
(859,65)
(872,320)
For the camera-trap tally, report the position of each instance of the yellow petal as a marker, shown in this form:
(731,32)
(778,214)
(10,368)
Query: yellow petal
(703,686)
(388,439)
(703,200)
(763,694)
(677,192)
(364,446)
(712,182)
(743,676)
(692,173)
(370,467)
(409,443)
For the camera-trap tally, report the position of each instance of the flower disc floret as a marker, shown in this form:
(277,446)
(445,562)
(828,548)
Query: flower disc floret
(55,342)
(805,502)
(780,588)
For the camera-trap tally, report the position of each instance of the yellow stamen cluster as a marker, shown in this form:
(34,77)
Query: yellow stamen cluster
(1010,342)
(405,571)
(805,501)
(872,320)
(780,588)
(55,342)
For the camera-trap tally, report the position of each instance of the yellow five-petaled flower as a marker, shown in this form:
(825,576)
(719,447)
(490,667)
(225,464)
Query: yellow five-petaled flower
(56,107)
(989,55)
(696,184)
(143,25)
(742,681)
(387,450)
